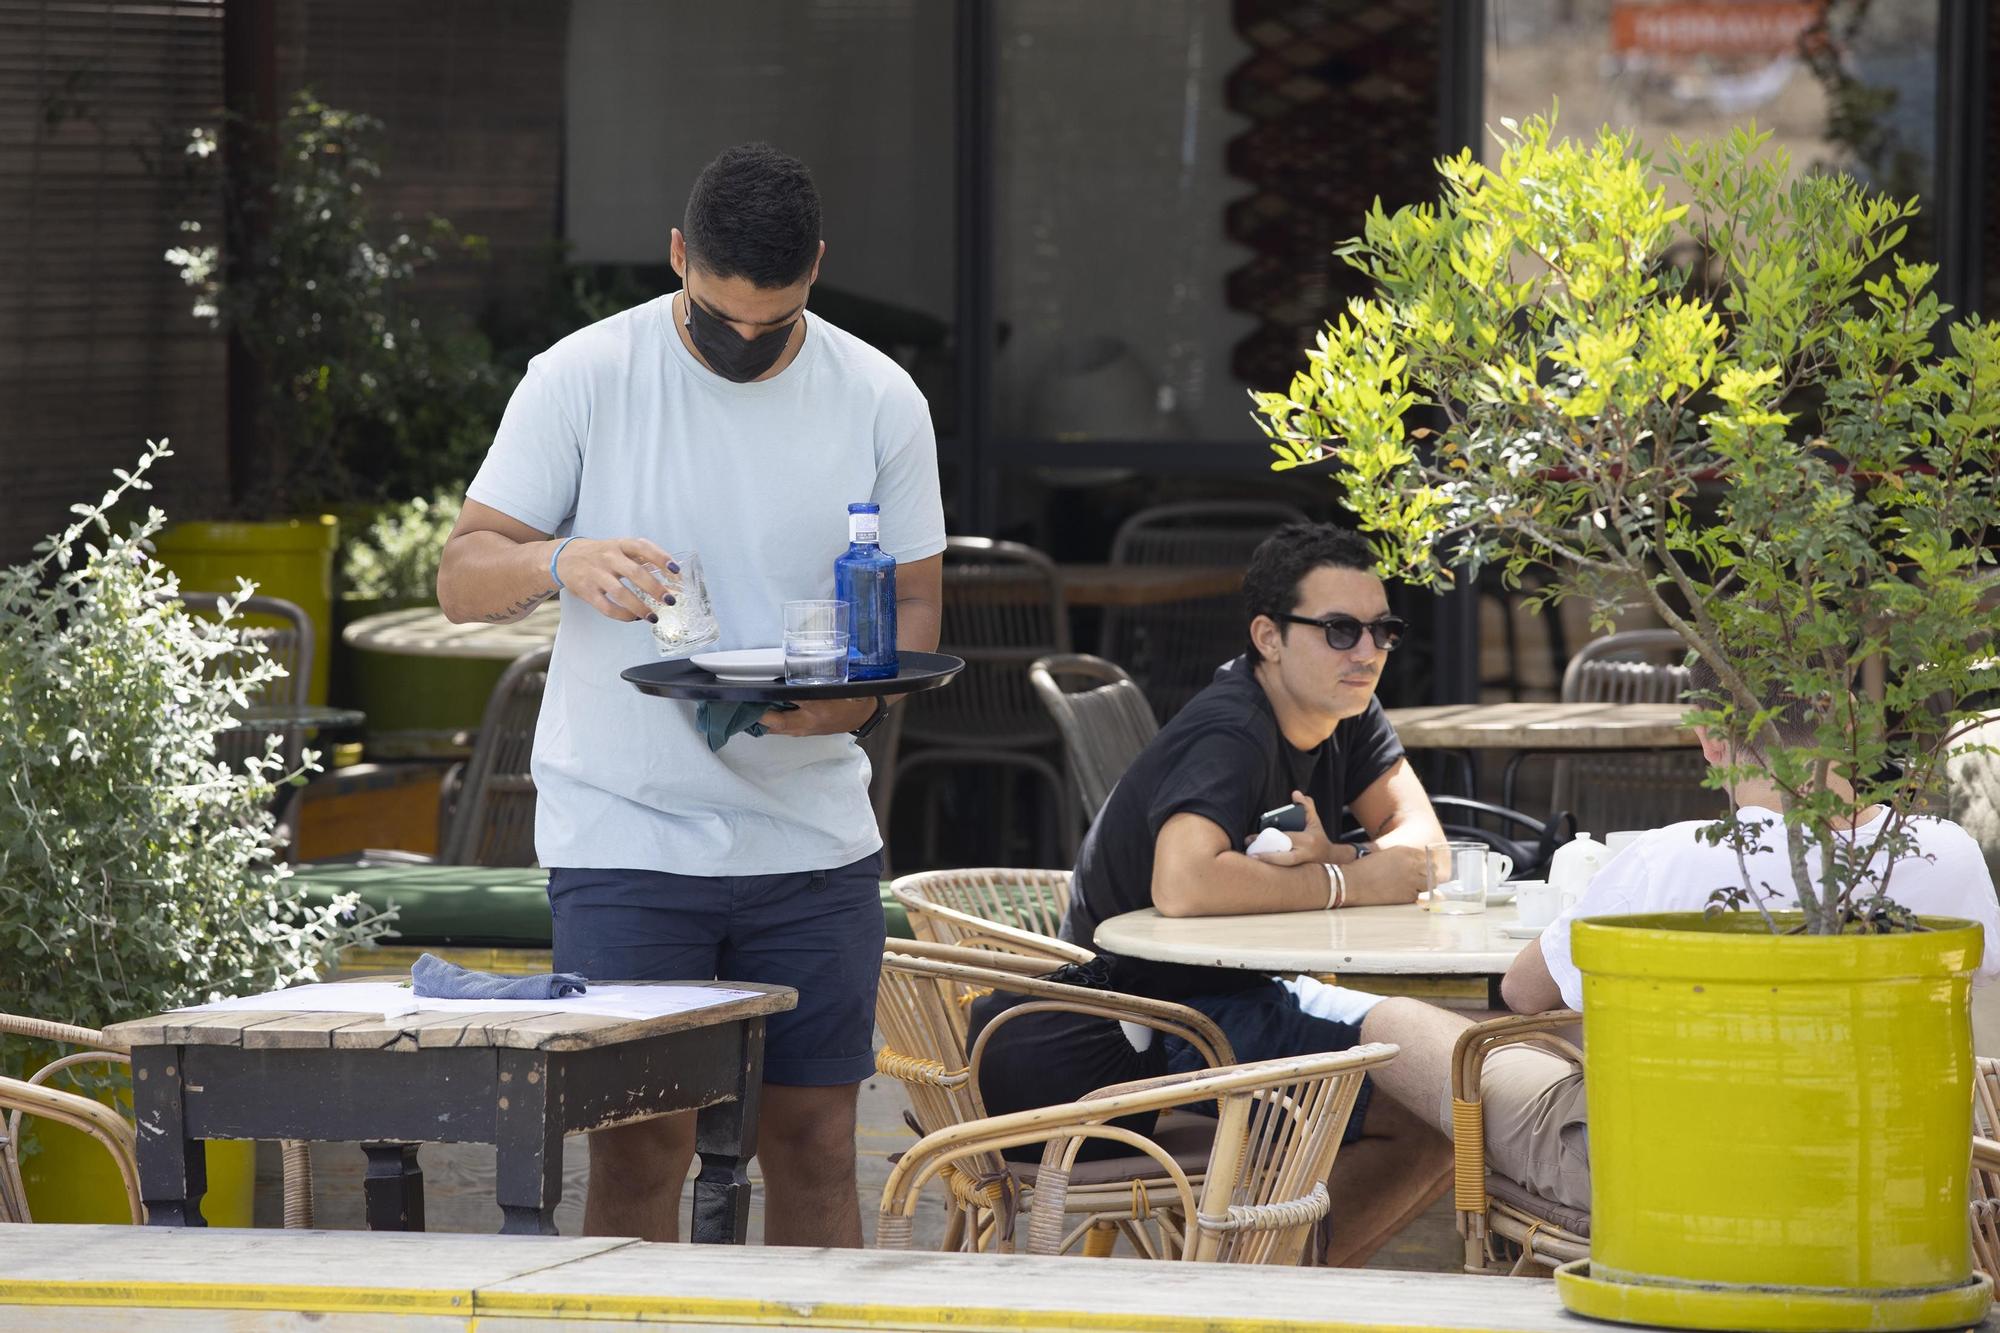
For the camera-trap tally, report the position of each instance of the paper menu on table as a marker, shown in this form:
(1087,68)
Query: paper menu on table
(393,999)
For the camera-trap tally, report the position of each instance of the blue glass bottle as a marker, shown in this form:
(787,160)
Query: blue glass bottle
(865,578)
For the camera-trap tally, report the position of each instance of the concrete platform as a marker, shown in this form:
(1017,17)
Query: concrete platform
(69,1278)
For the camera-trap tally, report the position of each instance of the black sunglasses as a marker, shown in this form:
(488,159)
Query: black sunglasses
(1343,632)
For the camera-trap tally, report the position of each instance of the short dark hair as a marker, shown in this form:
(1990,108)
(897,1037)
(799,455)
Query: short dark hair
(753,213)
(1797,721)
(1283,559)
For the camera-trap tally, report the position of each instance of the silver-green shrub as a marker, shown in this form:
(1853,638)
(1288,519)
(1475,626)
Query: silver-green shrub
(137,873)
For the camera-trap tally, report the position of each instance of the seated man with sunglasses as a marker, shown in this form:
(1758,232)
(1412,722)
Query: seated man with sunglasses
(1293,721)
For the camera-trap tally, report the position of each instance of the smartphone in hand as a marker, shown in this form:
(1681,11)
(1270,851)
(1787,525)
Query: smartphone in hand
(1285,819)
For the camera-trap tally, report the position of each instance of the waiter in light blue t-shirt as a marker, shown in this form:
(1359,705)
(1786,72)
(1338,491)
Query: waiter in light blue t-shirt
(727,420)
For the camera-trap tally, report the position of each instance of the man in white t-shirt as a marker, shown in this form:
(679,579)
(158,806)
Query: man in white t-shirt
(1536,1133)
(725,420)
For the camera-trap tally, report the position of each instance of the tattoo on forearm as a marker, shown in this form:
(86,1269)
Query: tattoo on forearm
(517,610)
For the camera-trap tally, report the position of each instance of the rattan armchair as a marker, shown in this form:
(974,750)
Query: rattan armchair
(1031,900)
(1983,1192)
(1256,1199)
(1491,1208)
(921,1009)
(29,1098)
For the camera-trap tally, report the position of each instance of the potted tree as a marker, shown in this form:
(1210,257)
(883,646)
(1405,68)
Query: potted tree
(137,873)
(359,398)
(1708,387)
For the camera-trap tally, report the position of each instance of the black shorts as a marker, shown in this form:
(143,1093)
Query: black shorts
(818,931)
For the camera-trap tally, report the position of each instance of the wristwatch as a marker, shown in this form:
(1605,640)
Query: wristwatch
(862,732)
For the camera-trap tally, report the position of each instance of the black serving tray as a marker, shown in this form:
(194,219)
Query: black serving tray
(679,678)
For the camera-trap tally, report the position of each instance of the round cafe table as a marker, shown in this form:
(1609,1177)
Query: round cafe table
(1412,950)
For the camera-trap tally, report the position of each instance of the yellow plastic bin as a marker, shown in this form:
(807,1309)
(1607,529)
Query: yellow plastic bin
(288,558)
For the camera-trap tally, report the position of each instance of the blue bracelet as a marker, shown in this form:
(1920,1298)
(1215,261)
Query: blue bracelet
(556,555)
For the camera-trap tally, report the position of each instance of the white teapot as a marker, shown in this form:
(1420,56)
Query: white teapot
(1574,865)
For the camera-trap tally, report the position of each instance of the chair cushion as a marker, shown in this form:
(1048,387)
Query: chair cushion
(1186,1137)
(1576,1221)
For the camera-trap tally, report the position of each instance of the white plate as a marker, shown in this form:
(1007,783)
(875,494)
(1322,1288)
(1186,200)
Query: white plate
(1501,896)
(1514,930)
(743,663)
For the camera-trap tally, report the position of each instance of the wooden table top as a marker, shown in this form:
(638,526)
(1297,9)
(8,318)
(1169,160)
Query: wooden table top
(1364,941)
(1543,726)
(422,631)
(555,1030)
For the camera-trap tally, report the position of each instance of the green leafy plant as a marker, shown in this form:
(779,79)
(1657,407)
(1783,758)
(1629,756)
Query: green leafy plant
(363,398)
(397,557)
(1733,409)
(137,872)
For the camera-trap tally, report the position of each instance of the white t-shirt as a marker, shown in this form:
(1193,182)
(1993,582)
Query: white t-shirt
(618,431)
(1671,870)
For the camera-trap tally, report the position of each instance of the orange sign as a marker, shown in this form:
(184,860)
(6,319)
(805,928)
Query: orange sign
(1715,28)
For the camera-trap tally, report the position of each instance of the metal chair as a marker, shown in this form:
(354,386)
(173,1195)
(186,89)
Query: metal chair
(1622,789)
(486,805)
(1003,609)
(488,802)
(290,644)
(1173,649)
(1104,725)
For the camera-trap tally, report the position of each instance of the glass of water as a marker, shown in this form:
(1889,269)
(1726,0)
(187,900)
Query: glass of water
(686,624)
(1463,891)
(815,643)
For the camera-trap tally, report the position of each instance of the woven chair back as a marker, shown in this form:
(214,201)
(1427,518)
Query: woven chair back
(1032,900)
(492,820)
(1103,717)
(1173,648)
(1626,789)
(1984,1195)
(1003,608)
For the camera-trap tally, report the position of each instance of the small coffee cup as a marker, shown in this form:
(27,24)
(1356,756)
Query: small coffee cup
(1537,902)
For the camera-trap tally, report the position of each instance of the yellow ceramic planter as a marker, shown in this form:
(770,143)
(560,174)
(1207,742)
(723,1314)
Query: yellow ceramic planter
(1779,1125)
(289,558)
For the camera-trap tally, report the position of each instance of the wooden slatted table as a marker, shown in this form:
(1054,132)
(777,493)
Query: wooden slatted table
(518,1080)
(1544,728)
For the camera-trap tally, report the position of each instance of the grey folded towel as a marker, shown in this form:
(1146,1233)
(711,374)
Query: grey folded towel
(435,979)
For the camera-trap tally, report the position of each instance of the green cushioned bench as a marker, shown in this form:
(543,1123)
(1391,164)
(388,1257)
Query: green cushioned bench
(466,909)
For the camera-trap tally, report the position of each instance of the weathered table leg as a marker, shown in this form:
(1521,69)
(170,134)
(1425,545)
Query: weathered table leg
(173,1168)
(528,1141)
(394,1187)
(726,1136)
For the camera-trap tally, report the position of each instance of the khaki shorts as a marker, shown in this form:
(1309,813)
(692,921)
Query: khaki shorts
(1535,1130)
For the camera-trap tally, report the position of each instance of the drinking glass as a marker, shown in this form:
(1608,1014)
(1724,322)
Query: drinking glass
(1463,892)
(815,642)
(686,624)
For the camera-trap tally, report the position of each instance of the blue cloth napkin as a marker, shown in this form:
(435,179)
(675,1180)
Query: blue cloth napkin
(719,721)
(435,979)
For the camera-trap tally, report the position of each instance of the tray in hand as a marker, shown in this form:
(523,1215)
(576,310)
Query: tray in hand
(682,679)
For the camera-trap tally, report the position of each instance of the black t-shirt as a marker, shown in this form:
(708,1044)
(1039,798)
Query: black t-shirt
(1223,758)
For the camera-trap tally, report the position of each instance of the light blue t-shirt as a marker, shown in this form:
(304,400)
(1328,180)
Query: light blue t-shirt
(618,431)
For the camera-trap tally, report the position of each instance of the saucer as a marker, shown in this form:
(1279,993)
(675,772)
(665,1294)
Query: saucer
(743,663)
(1514,930)
(1501,896)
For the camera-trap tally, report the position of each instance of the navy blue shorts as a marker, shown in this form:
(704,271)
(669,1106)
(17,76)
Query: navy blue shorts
(1264,1022)
(819,932)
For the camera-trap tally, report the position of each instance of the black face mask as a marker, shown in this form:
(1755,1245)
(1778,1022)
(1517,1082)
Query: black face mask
(729,354)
